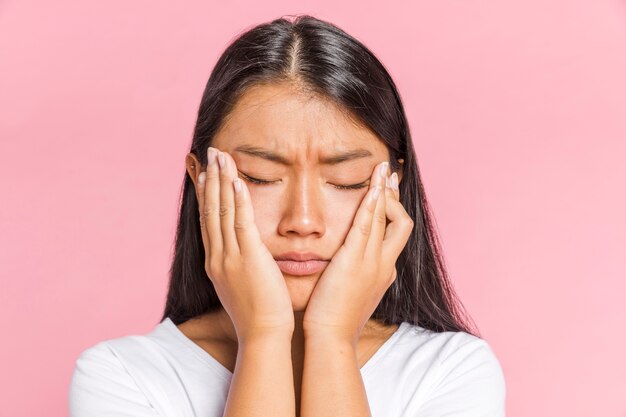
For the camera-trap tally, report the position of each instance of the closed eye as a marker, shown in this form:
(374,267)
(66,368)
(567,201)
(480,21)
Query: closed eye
(340,187)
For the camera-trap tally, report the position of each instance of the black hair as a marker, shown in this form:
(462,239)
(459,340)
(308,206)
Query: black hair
(318,57)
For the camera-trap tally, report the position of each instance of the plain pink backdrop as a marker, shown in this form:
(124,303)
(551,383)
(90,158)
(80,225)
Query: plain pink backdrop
(517,110)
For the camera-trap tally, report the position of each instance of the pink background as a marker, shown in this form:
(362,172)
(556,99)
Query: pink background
(517,109)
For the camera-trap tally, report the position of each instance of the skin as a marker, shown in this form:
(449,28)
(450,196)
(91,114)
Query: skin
(301,209)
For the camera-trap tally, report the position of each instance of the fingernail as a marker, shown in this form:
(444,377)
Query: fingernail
(387,183)
(394,180)
(202,177)
(221,159)
(237,183)
(211,156)
(383,169)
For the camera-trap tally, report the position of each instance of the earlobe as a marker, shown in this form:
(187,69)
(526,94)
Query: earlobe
(193,166)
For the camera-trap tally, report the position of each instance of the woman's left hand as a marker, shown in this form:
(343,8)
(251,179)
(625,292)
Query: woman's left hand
(361,271)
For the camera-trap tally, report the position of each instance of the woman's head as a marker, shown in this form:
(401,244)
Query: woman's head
(306,91)
(315,162)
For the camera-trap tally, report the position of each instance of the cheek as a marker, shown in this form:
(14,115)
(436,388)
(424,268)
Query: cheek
(264,204)
(341,210)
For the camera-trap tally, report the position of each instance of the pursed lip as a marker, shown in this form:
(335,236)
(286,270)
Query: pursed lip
(299,256)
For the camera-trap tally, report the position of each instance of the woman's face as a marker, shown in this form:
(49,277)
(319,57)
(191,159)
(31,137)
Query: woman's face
(301,207)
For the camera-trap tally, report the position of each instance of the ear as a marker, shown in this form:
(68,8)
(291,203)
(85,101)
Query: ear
(193,166)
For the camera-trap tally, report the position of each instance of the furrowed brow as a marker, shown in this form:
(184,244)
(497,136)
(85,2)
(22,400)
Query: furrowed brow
(345,156)
(327,160)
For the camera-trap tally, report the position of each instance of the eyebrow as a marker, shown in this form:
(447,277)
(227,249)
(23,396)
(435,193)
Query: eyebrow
(326,160)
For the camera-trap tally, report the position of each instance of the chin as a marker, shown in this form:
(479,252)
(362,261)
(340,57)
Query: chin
(300,290)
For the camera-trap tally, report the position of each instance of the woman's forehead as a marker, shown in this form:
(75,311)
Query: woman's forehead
(281,119)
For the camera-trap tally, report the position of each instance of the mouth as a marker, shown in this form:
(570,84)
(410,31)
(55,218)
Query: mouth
(301,263)
(301,268)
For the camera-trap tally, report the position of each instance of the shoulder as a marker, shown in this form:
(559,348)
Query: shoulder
(101,385)
(114,355)
(446,349)
(120,375)
(458,368)
(100,358)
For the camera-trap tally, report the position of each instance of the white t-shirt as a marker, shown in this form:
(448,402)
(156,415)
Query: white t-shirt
(415,373)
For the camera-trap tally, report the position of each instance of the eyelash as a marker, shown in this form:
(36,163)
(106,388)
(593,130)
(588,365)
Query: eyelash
(340,187)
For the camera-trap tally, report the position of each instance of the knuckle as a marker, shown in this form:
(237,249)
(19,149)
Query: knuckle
(209,271)
(365,229)
(209,210)
(389,280)
(225,210)
(214,266)
(381,218)
(239,224)
(407,220)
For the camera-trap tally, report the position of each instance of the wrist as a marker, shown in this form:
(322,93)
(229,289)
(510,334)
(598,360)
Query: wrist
(327,336)
(266,336)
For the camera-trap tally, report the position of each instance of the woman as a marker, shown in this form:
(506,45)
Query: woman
(307,278)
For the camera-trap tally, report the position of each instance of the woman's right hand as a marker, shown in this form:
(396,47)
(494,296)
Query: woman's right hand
(244,273)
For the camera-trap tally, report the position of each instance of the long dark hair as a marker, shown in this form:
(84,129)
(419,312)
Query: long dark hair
(330,63)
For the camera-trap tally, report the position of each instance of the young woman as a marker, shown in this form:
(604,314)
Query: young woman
(307,278)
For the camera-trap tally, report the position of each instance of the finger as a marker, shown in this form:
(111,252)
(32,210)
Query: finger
(394,185)
(379,220)
(227,203)
(211,204)
(200,198)
(361,228)
(398,230)
(359,233)
(391,188)
(247,233)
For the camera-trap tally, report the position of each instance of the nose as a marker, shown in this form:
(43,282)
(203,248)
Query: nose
(302,209)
